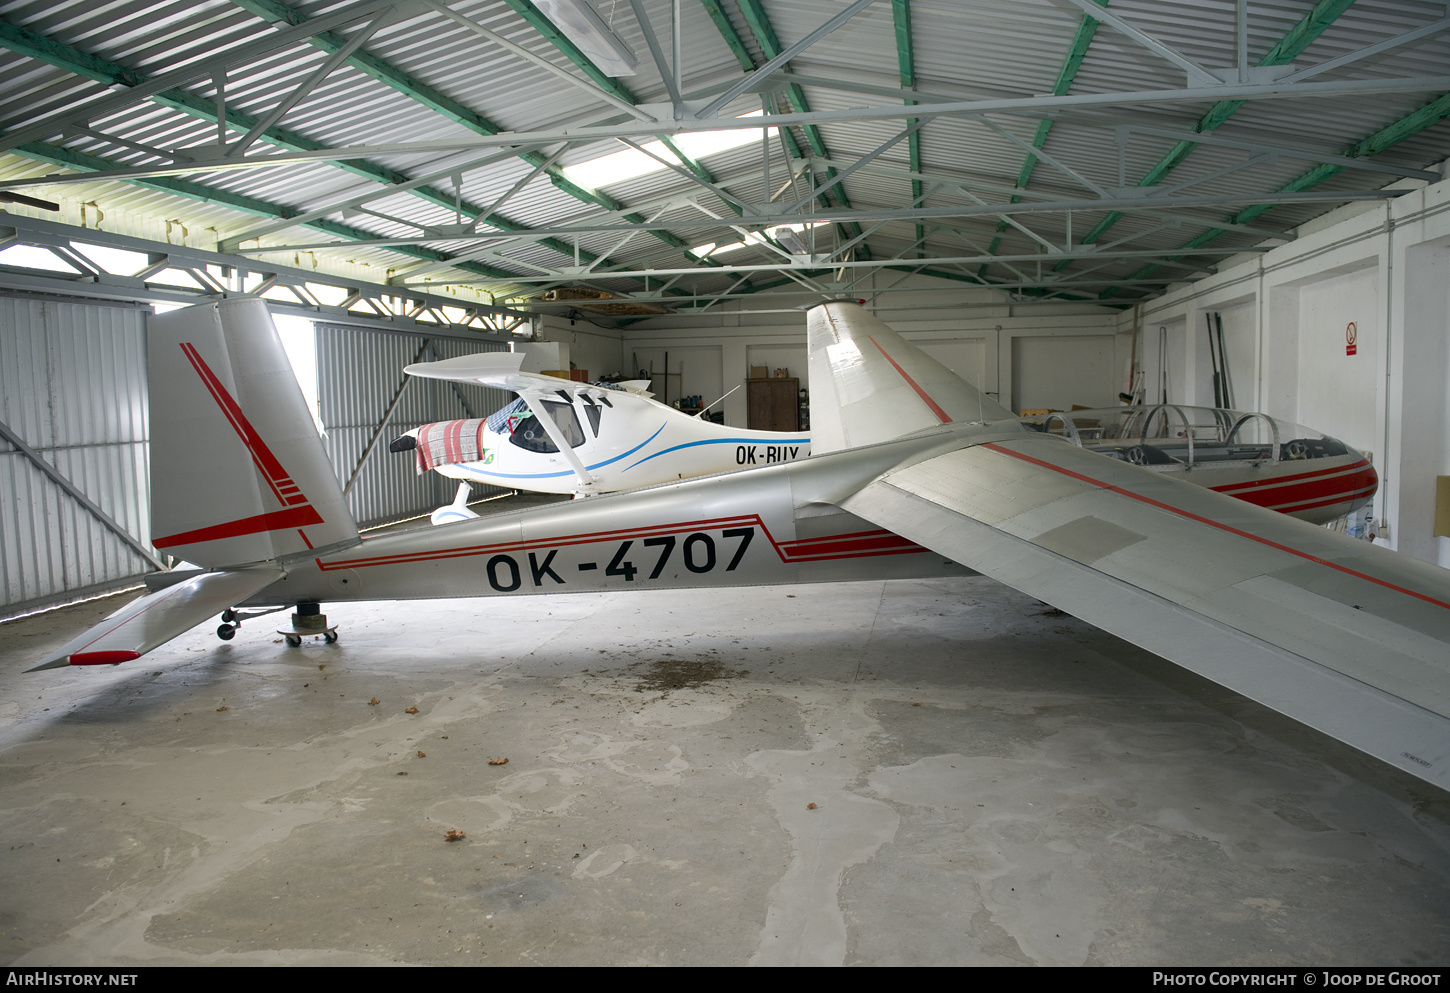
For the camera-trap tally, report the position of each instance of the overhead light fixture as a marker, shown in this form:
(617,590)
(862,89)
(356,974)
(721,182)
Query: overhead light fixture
(581,24)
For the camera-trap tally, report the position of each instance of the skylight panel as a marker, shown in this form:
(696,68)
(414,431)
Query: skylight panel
(616,167)
(30,257)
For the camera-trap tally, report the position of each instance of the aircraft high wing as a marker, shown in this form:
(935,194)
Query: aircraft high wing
(912,468)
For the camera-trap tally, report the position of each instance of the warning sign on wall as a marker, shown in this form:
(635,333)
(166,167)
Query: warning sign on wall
(1351,333)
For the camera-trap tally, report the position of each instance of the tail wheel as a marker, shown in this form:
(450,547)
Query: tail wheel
(330,637)
(294,641)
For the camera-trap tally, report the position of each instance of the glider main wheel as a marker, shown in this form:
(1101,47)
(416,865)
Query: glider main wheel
(294,641)
(330,637)
(226,632)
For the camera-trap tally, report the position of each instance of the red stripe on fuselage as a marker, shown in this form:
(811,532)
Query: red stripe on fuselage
(858,545)
(847,546)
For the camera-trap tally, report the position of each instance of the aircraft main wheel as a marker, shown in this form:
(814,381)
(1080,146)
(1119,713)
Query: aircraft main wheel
(330,637)
(229,615)
(294,641)
(226,632)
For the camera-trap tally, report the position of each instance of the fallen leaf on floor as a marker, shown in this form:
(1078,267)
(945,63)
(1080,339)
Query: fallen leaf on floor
(454,835)
(498,761)
(374,702)
(322,666)
(220,709)
(810,806)
(411,710)
(422,755)
(916,705)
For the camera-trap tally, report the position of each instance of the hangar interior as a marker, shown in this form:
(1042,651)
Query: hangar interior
(1056,199)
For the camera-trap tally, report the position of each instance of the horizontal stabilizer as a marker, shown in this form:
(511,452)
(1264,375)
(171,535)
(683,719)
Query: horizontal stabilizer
(155,619)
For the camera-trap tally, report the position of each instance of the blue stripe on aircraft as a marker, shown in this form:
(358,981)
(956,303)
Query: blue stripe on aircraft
(714,441)
(566,472)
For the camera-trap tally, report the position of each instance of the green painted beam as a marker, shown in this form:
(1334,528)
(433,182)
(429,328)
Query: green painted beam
(759,23)
(1411,124)
(727,31)
(83,162)
(83,63)
(559,40)
(906,63)
(274,11)
(1086,29)
(1290,47)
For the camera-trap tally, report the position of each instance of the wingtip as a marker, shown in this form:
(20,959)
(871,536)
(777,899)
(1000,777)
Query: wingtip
(58,662)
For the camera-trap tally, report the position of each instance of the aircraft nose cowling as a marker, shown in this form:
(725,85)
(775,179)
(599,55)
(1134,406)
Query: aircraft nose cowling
(403,443)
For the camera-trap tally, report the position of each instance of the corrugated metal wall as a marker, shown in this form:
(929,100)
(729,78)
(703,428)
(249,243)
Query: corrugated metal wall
(73,387)
(358,374)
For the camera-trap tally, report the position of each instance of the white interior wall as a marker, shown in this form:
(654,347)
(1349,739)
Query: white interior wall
(597,350)
(968,329)
(1384,267)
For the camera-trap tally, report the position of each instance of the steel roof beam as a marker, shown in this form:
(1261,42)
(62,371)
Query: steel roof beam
(813,265)
(139,86)
(71,159)
(83,63)
(1300,37)
(34,231)
(1076,52)
(906,67)
(1197,74)
(1411,124)
(1044,104)
(390,75)
(765,36)
(778,61)
(869,215)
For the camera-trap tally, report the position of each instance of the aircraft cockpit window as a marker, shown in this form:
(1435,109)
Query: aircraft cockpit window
(1166,434)
(529,434)
(594,413)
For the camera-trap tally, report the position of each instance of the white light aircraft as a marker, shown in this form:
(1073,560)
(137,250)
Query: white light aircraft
(565,437)
(913,472)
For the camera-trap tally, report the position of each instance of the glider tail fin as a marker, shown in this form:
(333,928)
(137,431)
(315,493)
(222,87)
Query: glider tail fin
(869,384)
(238,472)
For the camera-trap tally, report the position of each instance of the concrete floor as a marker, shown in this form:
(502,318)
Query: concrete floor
(992,784)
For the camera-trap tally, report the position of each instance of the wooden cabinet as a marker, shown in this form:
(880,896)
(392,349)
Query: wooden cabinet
(774,404)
